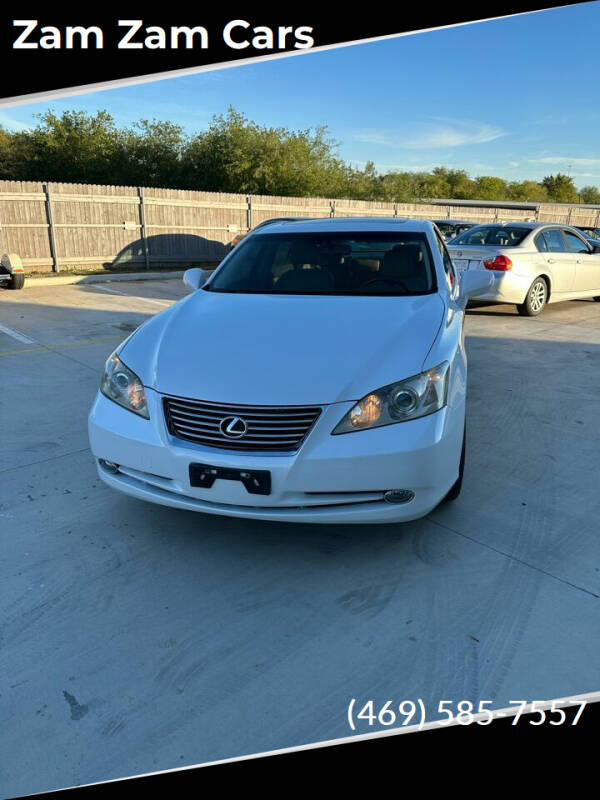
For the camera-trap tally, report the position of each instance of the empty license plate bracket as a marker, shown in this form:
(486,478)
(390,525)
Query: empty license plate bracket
(255,481)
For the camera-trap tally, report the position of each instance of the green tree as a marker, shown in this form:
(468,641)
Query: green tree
(490,188)
(150,154)
(527,191)
(396,186)
(460,185)
(237,155)
(429,186)
(363,184)
(75,147)
(560,188)
(590,195)
(8,163)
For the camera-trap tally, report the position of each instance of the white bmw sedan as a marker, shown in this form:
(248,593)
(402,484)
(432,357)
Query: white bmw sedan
(533,263)
(318,375)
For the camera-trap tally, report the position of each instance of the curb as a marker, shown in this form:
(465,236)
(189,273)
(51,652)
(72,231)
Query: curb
(62,280)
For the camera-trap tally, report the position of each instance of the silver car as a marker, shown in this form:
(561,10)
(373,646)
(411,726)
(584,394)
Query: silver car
(533,263)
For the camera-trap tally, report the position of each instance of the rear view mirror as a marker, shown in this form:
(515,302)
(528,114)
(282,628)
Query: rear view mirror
(194,278)
(475,282)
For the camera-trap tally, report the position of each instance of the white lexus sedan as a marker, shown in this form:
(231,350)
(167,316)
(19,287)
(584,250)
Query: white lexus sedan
(318,375)
(533,263)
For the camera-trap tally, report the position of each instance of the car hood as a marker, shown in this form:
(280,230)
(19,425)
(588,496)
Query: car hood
(283,349)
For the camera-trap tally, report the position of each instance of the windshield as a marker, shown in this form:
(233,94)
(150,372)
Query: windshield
(591,233)
(497,235)
(446,228)
(348,263)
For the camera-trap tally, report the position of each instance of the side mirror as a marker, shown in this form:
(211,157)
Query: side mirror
(596,248)
(475,282)
(194,278)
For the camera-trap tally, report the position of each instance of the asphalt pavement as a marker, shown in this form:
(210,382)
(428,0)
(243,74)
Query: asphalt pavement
(135,638)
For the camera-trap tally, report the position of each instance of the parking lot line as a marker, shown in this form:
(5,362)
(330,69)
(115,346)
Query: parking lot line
(53,348)
(20,337)
(135,297)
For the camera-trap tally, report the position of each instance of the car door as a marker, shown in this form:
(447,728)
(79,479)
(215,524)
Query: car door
(587,269)
(556,258)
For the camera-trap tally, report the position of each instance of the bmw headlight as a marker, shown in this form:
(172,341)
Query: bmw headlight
(414,397)
(124,387)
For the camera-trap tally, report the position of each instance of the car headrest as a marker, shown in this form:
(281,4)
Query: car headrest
(405,264)
(401,261)
(330,260)
(302,252)
(371,264)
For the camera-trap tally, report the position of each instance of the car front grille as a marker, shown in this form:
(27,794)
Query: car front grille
(270,428)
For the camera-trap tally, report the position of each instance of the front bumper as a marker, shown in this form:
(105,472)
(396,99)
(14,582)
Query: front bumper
(329,479)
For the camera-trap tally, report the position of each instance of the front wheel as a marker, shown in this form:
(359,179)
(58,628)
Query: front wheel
(536,299)
(597,299)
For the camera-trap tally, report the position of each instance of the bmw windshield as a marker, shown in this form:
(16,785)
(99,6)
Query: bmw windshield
(345,263)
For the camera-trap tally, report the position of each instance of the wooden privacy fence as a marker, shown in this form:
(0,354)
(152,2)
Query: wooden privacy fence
(84,226)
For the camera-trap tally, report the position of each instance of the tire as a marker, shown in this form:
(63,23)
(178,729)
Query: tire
(457,486)
(536,299)
(17,281)
(597,299)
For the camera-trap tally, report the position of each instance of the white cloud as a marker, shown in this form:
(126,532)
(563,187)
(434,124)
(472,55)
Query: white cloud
(566,160)
(373,137)
(12,124)
(433,135)
(455,133)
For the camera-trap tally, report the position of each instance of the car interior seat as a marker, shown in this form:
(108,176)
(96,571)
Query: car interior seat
(404,263)
(307,275)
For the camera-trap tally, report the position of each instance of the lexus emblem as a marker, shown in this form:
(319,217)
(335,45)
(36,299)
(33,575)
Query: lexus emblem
(233,427)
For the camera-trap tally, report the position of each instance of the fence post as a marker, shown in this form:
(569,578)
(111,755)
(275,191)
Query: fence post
(53,253)
(249,212)
(143,226)
(331,208)
(395,209)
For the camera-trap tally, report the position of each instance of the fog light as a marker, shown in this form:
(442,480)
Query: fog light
(109,466)
(398,495)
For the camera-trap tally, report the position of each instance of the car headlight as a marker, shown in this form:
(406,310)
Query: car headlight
(124,387)
(414,397)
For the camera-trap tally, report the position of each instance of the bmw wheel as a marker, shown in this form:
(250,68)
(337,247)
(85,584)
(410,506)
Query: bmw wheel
(536,299)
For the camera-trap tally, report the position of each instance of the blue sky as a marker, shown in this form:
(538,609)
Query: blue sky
(516,97)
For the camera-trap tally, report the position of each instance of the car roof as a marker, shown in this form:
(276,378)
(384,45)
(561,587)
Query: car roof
(275,220)
(454,222)
(517,224)
(528,225)
(344,224)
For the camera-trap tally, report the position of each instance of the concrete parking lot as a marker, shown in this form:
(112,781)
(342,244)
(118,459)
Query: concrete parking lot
(136,638)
